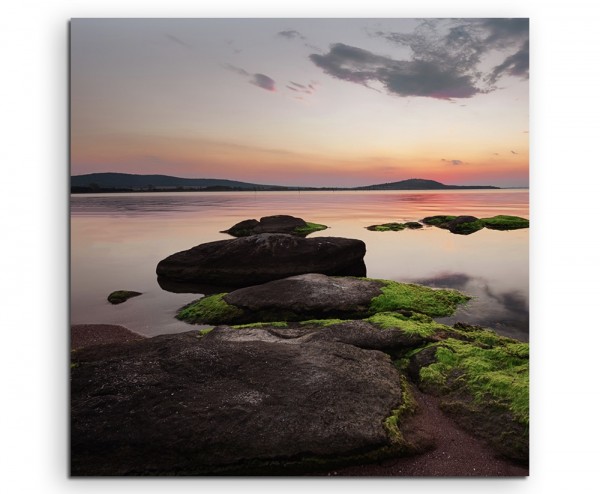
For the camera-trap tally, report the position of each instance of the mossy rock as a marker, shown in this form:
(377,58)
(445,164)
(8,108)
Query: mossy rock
(120,296)
(315,296)
(413,225)
(464,225)
(275,224)
(418,298)
(309,228)
(438,220)
(483,380)
(387,227)
(505,222)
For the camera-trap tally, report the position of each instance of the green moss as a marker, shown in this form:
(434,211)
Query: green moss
(413,225)
(438,220)
(387,227)
(204,332)
(406,296)
(499,373)
(416,325)
(309,228)
(467,227)
(408,406)
(273,324)
(504,222)
(210,310)
(322,322)
(121,296)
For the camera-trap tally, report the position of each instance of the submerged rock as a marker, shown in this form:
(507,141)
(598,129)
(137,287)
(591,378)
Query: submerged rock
(395,227)
(121,296)
(505,222)
(274,224)
(316,296)
(235,402)
(265,257)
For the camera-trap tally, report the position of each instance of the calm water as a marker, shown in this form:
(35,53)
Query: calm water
(118,239)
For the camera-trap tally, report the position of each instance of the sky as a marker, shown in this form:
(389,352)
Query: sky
(306,102)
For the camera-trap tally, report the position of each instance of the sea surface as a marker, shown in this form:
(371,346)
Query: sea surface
(118,239)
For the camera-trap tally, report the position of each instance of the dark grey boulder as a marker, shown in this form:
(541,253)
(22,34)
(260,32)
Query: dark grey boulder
(234,402)
(259,258)
(269,224)
(309,295)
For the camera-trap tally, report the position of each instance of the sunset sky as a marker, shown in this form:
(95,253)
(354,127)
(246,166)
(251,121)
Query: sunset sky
(314,102)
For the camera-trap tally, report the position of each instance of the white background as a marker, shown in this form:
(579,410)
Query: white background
(565,132)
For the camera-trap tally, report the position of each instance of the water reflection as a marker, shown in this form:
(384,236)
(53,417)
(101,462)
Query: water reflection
(506,312)
(118,239)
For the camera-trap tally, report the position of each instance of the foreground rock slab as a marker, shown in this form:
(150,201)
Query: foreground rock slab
(265,257)
(235,402)
(274,224)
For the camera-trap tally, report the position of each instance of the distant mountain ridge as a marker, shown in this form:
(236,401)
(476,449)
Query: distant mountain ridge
(420,184)
(113,182)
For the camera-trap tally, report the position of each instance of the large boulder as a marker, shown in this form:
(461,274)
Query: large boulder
(265,257)
(274,224)
(317,296)
(236,402)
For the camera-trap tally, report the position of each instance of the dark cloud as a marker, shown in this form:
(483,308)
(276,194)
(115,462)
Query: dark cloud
(514,152)
(445,61)
(516,65)
(301,88)
(263,81)
(399,77)
(290,34)
(454,162)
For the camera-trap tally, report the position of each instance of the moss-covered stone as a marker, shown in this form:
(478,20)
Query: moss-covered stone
(483,380)
(309,228)
(464,225)
(413,225)
(438,220)
(505,222)
(322,322)
(121,296)
(271,324)
(418,298)
(414,325)
(210,310)
(387,227)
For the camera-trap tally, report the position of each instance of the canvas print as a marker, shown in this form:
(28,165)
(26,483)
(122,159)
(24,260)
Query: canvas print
(299,247)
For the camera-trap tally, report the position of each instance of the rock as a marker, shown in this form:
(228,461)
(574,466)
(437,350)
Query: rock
(316,296)
(505,222)
(395,227)
(274,224)
(83,335)
(461,225)
(464,225)
(121,296)
(265,257)
(483,382)
(235,403)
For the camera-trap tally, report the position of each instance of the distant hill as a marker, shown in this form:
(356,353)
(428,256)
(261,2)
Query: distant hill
(421,184)
(126,181)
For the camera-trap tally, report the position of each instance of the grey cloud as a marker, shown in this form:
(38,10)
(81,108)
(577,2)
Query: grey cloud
(263,81)
(514,152)
(399,77)
(446,57)
(290,34)
(516,65)
(454,162)
(301,88)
